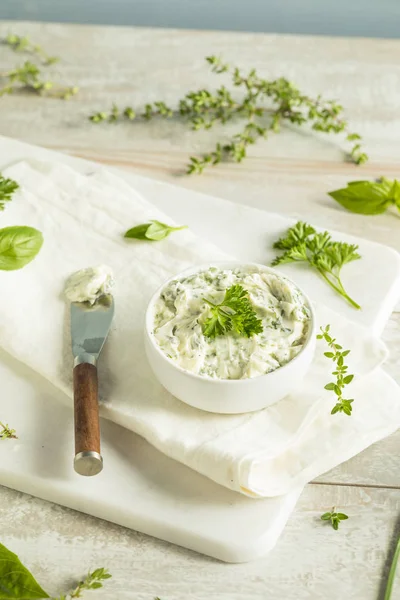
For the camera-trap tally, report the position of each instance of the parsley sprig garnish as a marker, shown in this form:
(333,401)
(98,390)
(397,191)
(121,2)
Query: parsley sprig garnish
(303,244)
(234,313)
(7,188)
(338,355)
(264,106)
(334,518)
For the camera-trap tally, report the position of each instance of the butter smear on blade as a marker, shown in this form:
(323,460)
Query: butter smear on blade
(181,310)
(89,284)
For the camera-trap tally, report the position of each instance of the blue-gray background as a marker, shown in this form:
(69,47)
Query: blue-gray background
(373,18)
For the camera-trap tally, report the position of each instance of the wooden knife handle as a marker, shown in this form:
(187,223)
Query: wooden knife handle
(88,460)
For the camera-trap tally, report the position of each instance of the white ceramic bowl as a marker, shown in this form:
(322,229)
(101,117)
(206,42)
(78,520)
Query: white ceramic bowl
(229,396)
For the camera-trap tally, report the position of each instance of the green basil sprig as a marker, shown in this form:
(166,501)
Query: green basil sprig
(153,231)
(369,197)
(19,245)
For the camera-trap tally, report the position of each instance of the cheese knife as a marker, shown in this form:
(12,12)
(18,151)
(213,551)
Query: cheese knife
(90,325)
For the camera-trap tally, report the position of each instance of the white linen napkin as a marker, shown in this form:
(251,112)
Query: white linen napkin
(266,453)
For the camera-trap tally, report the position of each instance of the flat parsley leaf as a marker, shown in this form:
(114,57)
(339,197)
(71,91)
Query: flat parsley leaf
(303,244)
(234,313)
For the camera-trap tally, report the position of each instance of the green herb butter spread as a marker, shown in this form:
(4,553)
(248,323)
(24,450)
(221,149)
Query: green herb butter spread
(89,284)
(181,310)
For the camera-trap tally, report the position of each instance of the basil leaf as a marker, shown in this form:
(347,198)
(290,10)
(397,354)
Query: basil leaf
(158,231)
(18,246)
(138,232)
(15,580)
(395,193)
(365,197)
(153,231)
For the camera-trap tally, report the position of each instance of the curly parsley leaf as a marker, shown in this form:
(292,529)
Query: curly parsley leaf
(295,236)
(303,244)
(368,197)
(7,189)
(153,231)
(234,313)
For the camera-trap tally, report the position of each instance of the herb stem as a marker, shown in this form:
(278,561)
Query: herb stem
(339,288)
(392,572)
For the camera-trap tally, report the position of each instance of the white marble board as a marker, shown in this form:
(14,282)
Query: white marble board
(140,488)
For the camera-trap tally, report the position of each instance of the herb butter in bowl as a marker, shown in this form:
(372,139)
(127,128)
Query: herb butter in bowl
(230,338)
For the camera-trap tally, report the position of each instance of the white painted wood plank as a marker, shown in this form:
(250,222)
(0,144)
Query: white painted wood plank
(310,562)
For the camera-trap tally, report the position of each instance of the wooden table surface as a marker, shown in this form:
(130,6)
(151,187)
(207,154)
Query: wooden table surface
(289,173)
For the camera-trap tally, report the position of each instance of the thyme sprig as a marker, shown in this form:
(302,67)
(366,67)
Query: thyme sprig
(337,354)
(93,581)
(264,107)
(334,518)
(7,432)
(28,76)
(24,44)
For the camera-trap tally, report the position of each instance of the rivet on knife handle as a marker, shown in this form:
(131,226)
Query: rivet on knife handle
(88,460)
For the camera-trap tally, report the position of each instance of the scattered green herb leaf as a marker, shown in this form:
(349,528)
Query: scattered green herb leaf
(6,432)
(28,76)
(18,246)
(93,581)
(369,197)
(264,106)
(15,580)
(303,244)
(392,572)
(23,44)
(153,231)
(7,189)
(234,313)
(342,377)
(18,583)
(334,518)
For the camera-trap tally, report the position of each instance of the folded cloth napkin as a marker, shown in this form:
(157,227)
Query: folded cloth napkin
(267,453)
